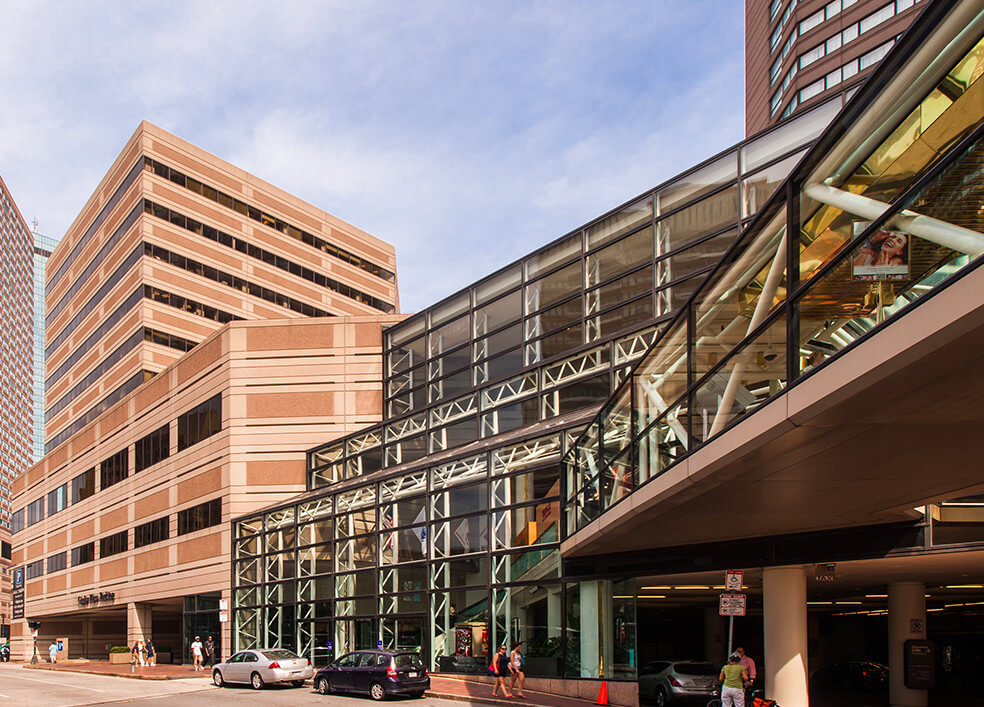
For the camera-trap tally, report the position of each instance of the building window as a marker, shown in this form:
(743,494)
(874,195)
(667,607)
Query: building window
(35,512)
(200,422)
(83,554)
(113,545)
(57,562)
(58,499)
(151,449)
(84,485)
(34,570)
(17,521)
(152,532)
(204,515)
(114,469)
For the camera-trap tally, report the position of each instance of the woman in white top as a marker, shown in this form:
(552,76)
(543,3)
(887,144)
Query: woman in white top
(516,668)
(196,652)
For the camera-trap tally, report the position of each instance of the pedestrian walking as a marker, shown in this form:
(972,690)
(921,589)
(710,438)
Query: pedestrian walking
(500,669)
(196,653)
(516,668)
(210,652)
(733,678)
(151,653)
(53,652)
(5,653)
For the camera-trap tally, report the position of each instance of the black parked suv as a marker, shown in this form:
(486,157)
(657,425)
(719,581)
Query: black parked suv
(376,673)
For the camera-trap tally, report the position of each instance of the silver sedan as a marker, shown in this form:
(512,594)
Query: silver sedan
(263,666)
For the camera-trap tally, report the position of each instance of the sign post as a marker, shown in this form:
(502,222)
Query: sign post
(732,605)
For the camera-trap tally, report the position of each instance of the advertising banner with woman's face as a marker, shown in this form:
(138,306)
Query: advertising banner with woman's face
(884,255)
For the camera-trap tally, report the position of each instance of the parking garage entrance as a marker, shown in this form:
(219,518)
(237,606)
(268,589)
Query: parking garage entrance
(849,627)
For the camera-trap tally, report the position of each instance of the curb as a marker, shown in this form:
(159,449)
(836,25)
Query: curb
(132,676)
(471,699)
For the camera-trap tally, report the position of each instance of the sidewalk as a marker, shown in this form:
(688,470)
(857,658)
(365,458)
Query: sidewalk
(478,692)
(103,667)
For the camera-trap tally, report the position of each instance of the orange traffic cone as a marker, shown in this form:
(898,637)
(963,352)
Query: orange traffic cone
(602,694)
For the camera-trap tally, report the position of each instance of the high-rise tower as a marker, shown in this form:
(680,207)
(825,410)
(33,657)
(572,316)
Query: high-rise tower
(43,245)
(798,52)
(16,414)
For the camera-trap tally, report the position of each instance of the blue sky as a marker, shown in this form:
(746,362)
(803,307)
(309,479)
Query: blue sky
(465,133)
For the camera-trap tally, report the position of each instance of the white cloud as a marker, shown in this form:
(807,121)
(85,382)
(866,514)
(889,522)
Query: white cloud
(467,139)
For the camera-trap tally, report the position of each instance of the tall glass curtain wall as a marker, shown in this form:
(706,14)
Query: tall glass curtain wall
(873,232)
(452,561)
(457,556)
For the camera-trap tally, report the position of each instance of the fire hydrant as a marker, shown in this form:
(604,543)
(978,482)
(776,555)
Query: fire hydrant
(133,666)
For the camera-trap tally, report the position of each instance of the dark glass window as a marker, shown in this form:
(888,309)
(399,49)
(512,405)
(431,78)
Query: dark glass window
(151,449)
(114,469)
(58,499)
(35,512)
(84,485)
(152,532)
(17,521)
(204,515)
(113,544)
(57,562)
(34,570)
(83,553)
(200,422)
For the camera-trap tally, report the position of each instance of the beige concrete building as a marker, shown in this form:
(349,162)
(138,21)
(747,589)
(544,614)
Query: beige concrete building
(219,433)
(173,243)
(119,531)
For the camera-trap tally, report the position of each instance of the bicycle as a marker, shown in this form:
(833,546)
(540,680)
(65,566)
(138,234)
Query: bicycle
(715,700)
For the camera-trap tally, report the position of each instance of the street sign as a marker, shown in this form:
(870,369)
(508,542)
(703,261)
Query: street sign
(223,605)
(733,580)
(732,605)
(223,616)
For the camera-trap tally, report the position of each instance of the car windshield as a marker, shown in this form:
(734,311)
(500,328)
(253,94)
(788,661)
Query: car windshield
(406,660)
(280,654)
(695,669)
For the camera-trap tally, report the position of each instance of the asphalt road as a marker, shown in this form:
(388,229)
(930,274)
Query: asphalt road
(21,686)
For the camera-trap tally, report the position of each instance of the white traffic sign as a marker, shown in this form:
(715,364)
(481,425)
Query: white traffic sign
(733,580)
(732,605)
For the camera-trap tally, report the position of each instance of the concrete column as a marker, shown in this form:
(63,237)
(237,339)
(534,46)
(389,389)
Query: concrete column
(715,636)
(590,640)
(138,623)
(906,619)
(784,603)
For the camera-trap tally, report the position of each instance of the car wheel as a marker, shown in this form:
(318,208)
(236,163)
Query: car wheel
(256,681)
(324,687)
(217,678)
(661,700)
(297,683)
(377,692)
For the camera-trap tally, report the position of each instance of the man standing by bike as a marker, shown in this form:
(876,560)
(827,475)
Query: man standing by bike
(749,665)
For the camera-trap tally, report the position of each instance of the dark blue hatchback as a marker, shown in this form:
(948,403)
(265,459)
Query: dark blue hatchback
(375,673)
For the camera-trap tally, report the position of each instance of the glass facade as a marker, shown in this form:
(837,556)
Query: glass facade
(439,528)
(42,251)
(886,216)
